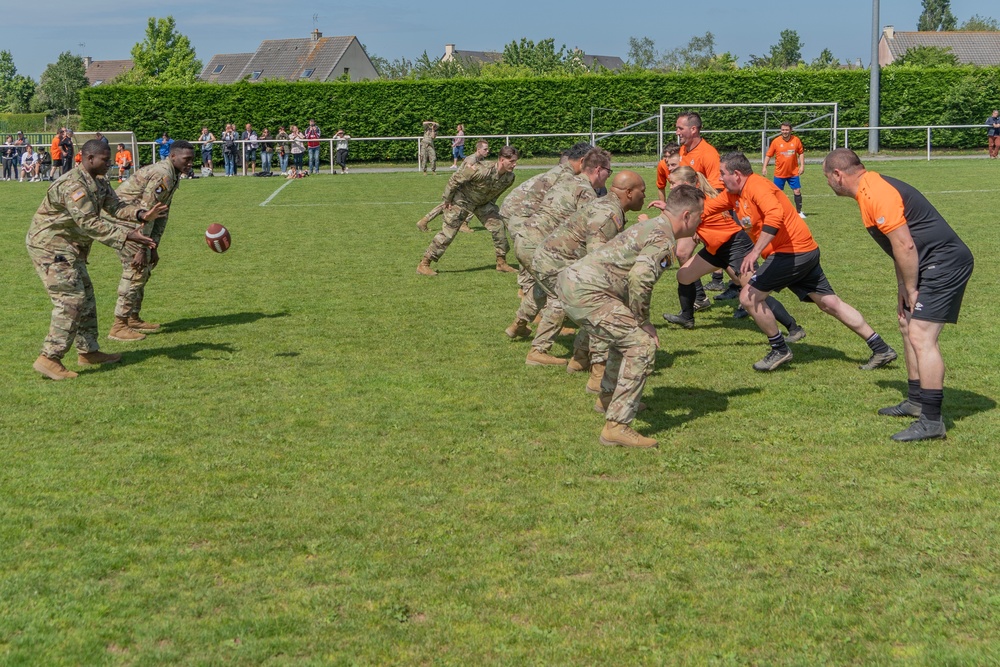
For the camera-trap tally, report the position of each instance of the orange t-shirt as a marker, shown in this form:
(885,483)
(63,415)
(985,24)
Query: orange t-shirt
(662,175)
(78,158)
(55,151)
(704,159)
(786,156)
(763,207)
(123,158)
(717,228)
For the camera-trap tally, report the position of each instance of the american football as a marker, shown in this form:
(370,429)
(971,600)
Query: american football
(217,237)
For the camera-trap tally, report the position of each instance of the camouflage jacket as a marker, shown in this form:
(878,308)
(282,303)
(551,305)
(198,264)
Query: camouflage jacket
(471,187)
(625,268)
(69,220)
(430,133)
(148,186)
(524,200)
(585,231)
(568,194)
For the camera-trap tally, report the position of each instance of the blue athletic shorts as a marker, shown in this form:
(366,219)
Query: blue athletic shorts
(793,181)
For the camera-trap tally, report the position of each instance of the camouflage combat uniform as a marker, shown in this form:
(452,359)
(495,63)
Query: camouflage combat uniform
(147,187)
(607,293)
(473,191)
(568,194)
(584,232)
(470,161)
(521,204)
(427,154)
(59,239)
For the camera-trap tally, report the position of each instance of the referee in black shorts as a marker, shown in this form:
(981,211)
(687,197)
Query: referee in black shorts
(933,266)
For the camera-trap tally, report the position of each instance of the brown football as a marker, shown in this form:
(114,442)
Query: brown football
(217,237)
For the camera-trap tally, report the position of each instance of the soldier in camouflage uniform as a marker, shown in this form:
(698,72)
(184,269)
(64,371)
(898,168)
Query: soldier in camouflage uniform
(474,191)
(427,154)
(148,186)
(67,222)
(521,204)
(588,229)
(563,199)
(482,152)
(608,292)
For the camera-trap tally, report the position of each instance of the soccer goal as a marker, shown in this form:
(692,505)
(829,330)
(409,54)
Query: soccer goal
(751,127)
(624,131)
(114,138)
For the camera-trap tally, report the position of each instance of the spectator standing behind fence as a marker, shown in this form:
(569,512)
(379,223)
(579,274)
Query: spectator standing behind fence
(342,139)
(282,149)
(993,132)
(250,147)
(55,150)
(230,148)
(426,153)
(207,140)
(67,149)
(298,146)
(312,135)
(266,151)
(163,145)
(458,146)
(123,158)
(9,154)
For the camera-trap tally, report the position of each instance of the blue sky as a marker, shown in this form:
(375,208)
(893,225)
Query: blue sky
(36,33)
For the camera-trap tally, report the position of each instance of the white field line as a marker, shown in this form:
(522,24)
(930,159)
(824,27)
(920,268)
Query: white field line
(358,203)
(275,193)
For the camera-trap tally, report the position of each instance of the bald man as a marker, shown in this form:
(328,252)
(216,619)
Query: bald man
(933,266)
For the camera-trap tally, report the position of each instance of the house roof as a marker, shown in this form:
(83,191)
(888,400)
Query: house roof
(608,62)
(225,67)
(481,57)
(488,57)
(286,59)
(981,48)
(102,71)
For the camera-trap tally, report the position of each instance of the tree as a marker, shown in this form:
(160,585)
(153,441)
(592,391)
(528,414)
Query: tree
(642,52)
(541,58)
(936,16)
(927,56)
(15,90)
(699,53)
(164,57)
(788,51)
(825,60)
(981,23)
(61,82)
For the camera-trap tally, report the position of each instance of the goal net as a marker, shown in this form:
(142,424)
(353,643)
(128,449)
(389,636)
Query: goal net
(114,138)
(624,131)
(751,127)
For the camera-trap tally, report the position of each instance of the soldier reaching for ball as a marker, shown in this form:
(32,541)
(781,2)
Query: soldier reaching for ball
(62,230)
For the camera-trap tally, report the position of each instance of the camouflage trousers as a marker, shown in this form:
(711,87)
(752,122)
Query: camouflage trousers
(532,301)
(132,285)
(488,214)
(74,308)
(631,354)
(427,156)
(553,316)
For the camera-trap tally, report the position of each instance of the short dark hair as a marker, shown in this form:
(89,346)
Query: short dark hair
(94,147)
(596,158)
(181,145)
(692,118)
(509,152)
(788,125)
(671,149)
(578,150)
(842,159)
(737,161)
(684,198)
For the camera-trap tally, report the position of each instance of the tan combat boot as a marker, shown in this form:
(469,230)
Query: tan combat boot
(519,329)
(121,331)
(604,400)
(422,224)
(465,228)
(594,381)
(536,358)
(567,331)
(615,434)
(94,358)
(137,323)
(504,267)
(579,362)
(424,268)
(52,369)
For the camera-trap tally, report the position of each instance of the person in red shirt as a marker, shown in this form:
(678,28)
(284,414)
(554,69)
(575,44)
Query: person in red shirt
(933,266)
(791,259)
(789,163)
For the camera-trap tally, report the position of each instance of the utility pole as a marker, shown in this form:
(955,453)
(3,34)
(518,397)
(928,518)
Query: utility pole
(873,86)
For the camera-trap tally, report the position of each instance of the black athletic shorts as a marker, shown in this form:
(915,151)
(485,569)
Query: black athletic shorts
(799,272)
(940,291)
(730,253)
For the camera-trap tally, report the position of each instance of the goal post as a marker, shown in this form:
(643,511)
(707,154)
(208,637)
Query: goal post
(750,127)
(114,138)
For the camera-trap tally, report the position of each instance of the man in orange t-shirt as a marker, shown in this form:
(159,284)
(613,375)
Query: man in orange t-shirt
(933,266)
(789,163)
(56,152)
(791,259)
(123,158)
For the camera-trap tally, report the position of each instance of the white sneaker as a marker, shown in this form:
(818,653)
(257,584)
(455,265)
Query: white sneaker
(802,215)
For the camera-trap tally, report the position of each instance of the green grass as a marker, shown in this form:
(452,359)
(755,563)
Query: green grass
(325,458)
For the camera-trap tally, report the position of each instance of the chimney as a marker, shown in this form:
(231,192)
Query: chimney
(87,62)
(316,34)
(449,52)
(888,31)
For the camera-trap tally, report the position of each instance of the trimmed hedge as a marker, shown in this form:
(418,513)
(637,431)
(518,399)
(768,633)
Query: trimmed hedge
(910,96)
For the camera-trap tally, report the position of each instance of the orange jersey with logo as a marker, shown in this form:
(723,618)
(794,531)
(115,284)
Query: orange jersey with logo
(717,228)
(786,156)
(704,159)
(123,158)
(662,175)
(762,207)
(56,150)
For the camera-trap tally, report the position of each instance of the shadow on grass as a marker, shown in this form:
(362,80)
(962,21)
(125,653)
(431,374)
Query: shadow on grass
(670,407)
(186,352)
(666,359)
(958,403)
(472,269)
(212,321)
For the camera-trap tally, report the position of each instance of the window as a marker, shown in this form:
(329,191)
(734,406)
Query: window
(256,74)
(218,69)
(308,73)
(347,71)
(99,82)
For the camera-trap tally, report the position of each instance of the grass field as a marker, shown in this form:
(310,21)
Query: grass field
(324,458)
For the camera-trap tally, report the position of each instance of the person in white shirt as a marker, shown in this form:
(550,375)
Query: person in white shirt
(29,164)
(341,141)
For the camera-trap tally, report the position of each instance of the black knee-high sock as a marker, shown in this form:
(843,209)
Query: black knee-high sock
(876,344)
(699,289)
(687,294)
(798,202)
(930,404)
(913,391)
(780,314)
(777,342)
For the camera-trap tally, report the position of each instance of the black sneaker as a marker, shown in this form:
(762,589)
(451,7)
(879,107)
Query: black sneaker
(905,409)
(740,313)
(715,285)
(773,359)
(679,320)
(922,429)
(878,360)
(795,334)
(731,293)
(703,304)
